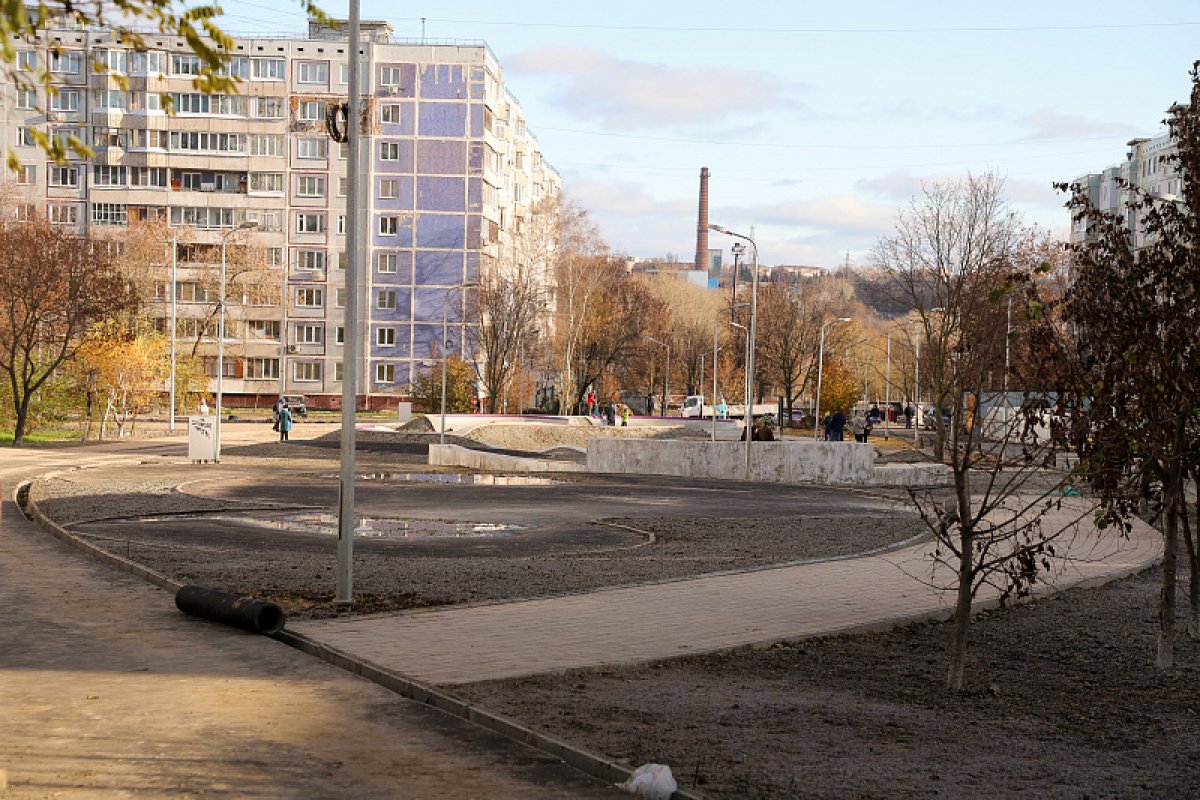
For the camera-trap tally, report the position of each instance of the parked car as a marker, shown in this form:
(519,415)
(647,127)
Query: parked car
(928,423)
(296,404)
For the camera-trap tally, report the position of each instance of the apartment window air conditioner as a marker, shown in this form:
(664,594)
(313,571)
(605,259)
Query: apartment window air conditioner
(291,348)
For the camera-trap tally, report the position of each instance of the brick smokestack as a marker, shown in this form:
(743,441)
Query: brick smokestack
(702,224)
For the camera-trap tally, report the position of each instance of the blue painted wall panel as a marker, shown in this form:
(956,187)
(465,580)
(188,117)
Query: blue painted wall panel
(442,119)
(444,81)
(442,157)
(441,194)
(442,231)
(439,268)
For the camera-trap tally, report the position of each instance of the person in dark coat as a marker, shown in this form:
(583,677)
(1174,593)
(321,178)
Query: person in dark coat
(610,412)
(837,426)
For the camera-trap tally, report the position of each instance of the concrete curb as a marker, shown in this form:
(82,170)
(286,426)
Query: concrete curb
(452,455)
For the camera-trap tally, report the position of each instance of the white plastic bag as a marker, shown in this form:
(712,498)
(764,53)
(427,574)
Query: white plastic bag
(651,782)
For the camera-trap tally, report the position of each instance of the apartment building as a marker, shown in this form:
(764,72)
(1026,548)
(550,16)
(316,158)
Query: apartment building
(1145,167)
(255,179)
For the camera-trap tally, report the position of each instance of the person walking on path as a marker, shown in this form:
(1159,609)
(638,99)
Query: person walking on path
(837,426)
(610,412)
(859,427)
(908,415)
(624,416)
(591,402)
(285,422)
(649,405)
(275,409)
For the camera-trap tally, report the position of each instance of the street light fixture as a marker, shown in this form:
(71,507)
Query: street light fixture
(821,373)
(746,409)
(245,226)
(666,373)
(445,352)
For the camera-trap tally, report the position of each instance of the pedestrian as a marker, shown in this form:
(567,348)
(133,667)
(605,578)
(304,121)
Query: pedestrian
(610,412)
(275,409)
(285,422)
(591,402)
(722,409)
(765,432)
(825,421)
(859,427)
(203,407)
(908,415)
(837,426)
(624,416)
(650,405)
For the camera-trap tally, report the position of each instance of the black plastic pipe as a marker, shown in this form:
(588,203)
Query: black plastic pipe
(249,613)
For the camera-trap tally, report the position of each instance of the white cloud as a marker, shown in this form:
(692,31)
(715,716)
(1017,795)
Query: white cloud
(625,94)
(1048,124)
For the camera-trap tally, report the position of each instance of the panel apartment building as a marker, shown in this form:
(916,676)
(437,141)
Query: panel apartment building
(451,172)
(1145,168)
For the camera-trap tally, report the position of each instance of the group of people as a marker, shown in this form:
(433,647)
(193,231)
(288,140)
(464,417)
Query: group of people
(609,412)
(835,424)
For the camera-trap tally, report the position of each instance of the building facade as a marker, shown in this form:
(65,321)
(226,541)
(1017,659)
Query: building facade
(1146,167)
(255,180)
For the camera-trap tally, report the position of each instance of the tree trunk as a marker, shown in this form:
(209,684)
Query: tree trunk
(962,614)
(1193,572)
(22,410)
(1170,567)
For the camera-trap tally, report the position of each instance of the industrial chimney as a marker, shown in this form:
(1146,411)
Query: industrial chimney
(702,224)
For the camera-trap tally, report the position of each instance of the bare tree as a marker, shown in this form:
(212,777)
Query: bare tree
(54,286)
(956,254)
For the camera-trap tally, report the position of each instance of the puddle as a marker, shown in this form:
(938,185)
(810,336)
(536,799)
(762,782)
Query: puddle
(455,478)
(379,527)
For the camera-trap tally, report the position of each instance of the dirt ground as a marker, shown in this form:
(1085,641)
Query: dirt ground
(1062,701)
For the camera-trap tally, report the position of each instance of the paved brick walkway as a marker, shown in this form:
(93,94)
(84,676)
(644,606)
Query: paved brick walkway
(642,623)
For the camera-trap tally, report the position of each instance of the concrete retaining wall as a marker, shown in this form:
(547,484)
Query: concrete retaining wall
(452,455)
(835,463)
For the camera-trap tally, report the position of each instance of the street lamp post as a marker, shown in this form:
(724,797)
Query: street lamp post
(174,324)
(221,337)
(445,354)
(666,373)
(746,409)
(821,372)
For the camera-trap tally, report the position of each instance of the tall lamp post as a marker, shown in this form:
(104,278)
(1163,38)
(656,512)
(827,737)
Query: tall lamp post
(666,373)
(746,409)
(174,323)
(445,353)
(821,373)
(245,226)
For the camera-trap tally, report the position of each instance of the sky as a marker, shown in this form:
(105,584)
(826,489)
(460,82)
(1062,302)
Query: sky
(819,122)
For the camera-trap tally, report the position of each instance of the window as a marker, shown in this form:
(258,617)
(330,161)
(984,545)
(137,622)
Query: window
(113,61)
(109,137)
(339,338)
(27,59)
(310,223)
(337,371)
(266,182)
(27,98)
(342,260)
(388,226)
(309,334)
(386,299)
(339,301)
(185,64)
(64,215)
(208,141)
(268,220)
(313,72)
(24,137)
(306,371)
(238,67)
(202,217)
(386,262)
(389,151)
(263,329)
(109,214)
(268,69)
(268,107)
(343,151)
(148,139)
(65,100)
(312,147)
(311,110)
(343,186)
(67,62)
(389,188)
(147,63)
(310,186)
(389,76)
(344,76)
(266,144)
(111,99)
(64,176)
(27,175)
(385,337)
(385,373)
(274,255)
(262,368)
(310,259)
(104,175)
(310,298)
(341,224)
(148,177)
